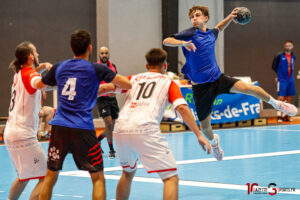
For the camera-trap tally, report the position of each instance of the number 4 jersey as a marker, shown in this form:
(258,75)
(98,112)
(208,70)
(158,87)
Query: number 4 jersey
(77,83)
(146,102)
(24,107)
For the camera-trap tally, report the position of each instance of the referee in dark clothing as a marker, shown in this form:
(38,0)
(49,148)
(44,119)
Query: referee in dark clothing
(107,105)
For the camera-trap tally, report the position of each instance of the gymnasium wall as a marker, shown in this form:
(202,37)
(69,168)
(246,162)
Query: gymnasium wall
(135,26)
(250,49)
(48,24)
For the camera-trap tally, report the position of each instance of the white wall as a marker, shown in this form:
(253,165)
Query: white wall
(216,12)
(134,27)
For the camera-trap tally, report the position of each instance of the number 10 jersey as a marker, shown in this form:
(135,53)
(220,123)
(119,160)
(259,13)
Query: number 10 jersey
(151,94)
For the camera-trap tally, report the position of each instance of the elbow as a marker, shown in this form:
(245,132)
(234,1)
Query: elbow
(128,86)
(182,109)
(165,41)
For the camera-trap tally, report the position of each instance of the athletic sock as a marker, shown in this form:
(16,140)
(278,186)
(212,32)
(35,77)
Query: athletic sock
(111,147)
(101,137)
(273,101)
(213,142)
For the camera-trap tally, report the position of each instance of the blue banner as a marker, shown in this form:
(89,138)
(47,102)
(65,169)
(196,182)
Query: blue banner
(227,107)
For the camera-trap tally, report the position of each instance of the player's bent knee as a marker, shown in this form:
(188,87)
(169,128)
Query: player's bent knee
(173,179)
(169,175)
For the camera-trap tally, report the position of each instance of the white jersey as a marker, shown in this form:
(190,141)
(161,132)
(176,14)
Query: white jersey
(146,102)
(23,120)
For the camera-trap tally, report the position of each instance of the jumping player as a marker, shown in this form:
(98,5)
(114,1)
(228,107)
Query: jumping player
(207,79)
(107,104)
(26,154)
(73,130)
(137,132)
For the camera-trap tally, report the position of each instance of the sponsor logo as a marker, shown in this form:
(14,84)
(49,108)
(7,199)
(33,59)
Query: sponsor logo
(53,154)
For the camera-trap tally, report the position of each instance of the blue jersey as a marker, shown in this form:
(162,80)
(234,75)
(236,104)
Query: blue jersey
(281,67)
(201,66)
(77,83)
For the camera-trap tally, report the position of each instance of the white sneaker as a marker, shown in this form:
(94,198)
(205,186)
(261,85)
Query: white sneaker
(218,151)
(287,108)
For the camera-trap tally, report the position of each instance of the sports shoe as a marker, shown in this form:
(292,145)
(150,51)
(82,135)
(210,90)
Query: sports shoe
(287,108)
(112,154)
(218,151)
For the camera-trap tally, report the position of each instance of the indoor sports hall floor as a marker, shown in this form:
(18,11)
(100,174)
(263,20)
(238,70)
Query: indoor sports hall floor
(260,155)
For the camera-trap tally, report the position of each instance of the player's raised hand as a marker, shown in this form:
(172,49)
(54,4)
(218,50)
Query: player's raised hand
(204,143)
(46,65)
(189,46)
(234,14)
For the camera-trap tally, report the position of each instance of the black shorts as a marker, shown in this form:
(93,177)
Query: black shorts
(108,106)
(205,94)
(83,144)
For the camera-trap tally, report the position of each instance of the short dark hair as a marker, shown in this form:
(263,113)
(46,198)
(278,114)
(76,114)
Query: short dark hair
(288,41)
(22,52)
(156,57)
(80,40)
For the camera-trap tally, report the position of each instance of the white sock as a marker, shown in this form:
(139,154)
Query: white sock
(273,102)
(44,133)
(213,142)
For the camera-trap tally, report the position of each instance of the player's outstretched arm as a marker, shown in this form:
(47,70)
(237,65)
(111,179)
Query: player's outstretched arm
(43,67)
(172,42)
(122,82)
(225,22)
(106,88)
(188,118)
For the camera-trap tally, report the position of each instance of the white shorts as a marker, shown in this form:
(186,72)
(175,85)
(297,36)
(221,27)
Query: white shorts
(28,158)
(152,149)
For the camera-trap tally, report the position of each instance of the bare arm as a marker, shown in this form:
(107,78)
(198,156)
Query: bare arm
(225,22)
(43,66)
(188,118)
(106,88)
(122,82)
(172,42)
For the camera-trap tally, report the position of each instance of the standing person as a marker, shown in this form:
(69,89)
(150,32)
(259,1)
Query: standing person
(137,132)
(283,65)
(107,105)
(26,154)
(73,130)
(207,79)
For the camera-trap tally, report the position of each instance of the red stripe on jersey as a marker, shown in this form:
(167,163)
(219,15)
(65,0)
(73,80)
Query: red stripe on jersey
(163,170)
(27,73)
(27,179)
(174,92)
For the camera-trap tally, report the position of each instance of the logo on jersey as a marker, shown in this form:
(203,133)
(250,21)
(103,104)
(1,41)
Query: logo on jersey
(53,154)
(104,111)
(133,105)
(35,160)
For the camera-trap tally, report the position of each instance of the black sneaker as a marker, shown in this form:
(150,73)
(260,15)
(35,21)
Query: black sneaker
(112,154)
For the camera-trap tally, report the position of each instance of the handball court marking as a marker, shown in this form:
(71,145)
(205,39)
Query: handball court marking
(192,183)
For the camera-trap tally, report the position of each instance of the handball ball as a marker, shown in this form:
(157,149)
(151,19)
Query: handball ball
(243,16)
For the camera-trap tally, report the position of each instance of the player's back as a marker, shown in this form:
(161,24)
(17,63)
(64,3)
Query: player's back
(24,107)
(77,85)
(145,103)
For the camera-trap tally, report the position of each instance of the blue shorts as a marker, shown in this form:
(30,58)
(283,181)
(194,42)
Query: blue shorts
(285,89)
